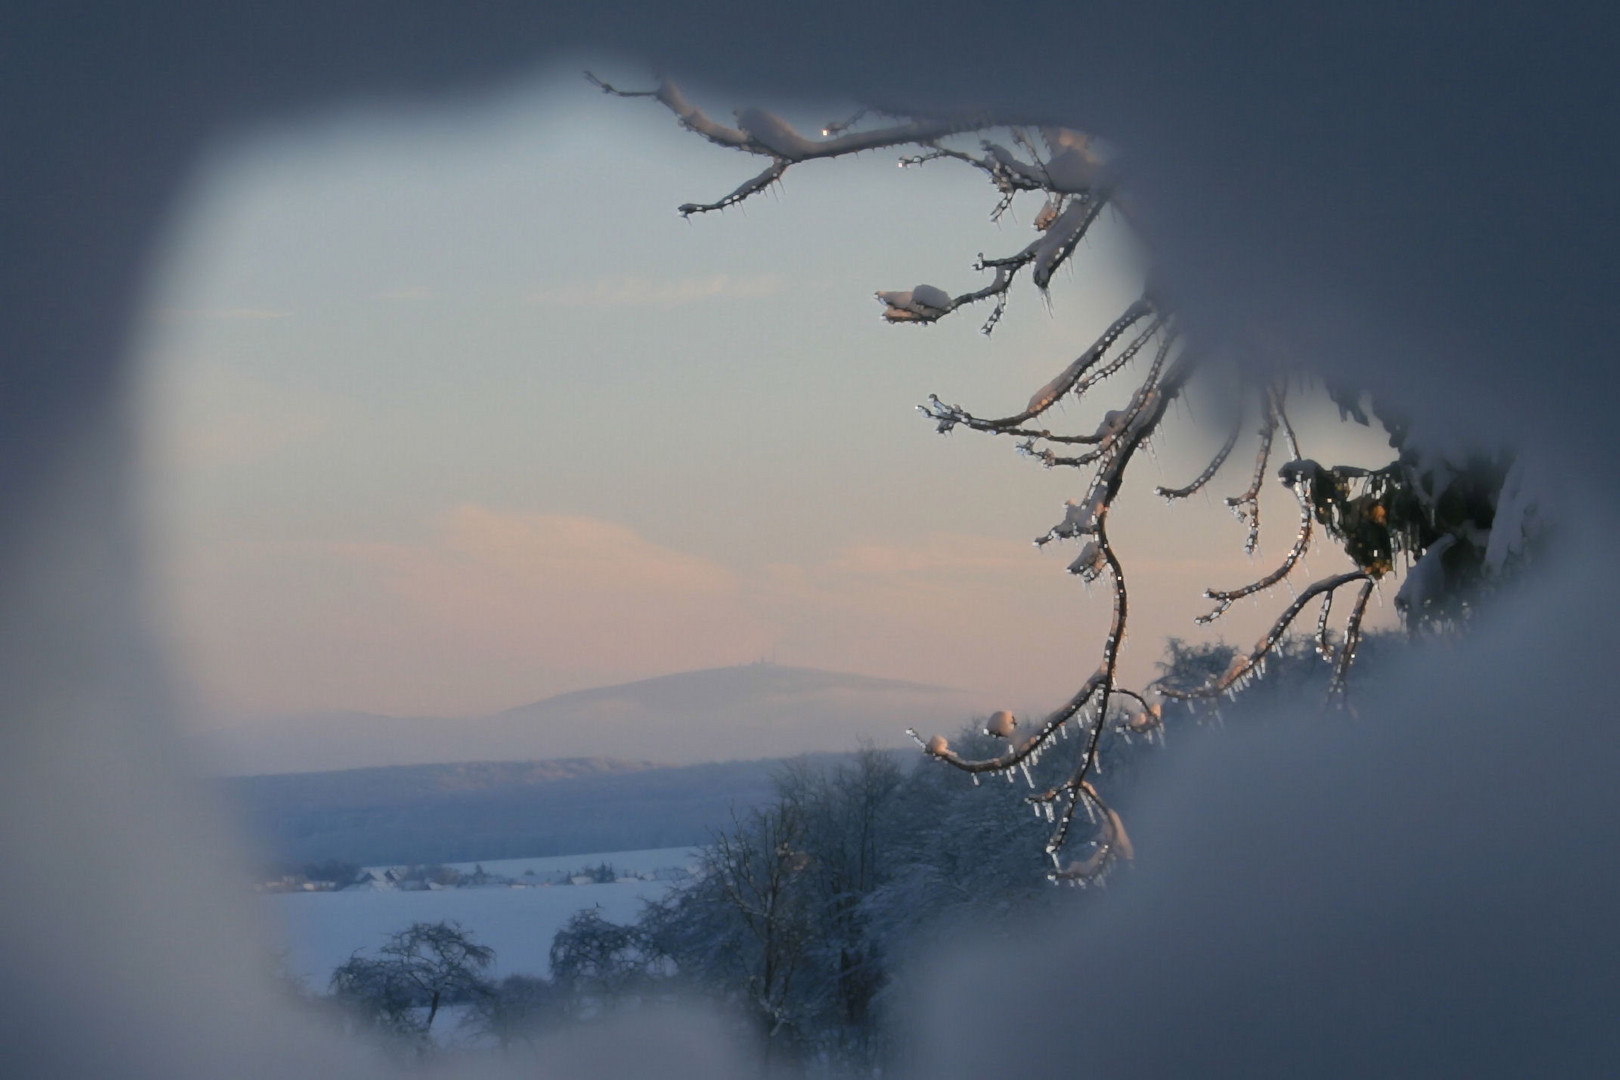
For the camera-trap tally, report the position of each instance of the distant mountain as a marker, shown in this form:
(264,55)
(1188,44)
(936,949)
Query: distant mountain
(721,714)
(491,810)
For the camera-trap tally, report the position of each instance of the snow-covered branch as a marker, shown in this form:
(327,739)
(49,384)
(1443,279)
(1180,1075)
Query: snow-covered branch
(764,133)
(1224,598)
(1074,175)
(1246,666)
(1397,510)
(949,416)
(1210,470)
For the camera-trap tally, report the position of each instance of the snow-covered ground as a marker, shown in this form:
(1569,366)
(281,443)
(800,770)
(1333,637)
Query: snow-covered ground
(322,929)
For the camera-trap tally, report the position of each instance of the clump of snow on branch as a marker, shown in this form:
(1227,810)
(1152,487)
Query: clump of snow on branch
(925,303)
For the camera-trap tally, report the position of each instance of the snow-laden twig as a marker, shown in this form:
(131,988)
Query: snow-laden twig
(950,416)
(1210,470)
(1244,666)
(1352,638)
(1247,505)
(1224,598)
(758,131)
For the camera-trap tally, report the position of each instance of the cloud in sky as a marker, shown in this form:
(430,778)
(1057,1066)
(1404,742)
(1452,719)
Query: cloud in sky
(631,291)
(504,556)
(209,417)
(971,612)
(486,611)
(230,314)
(489,610)
(494,608)
(939,553)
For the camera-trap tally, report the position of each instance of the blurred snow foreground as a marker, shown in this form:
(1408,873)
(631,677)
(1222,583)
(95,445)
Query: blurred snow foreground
(1427,889)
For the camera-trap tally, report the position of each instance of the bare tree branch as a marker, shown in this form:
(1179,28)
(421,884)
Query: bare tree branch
(1210,470)
(1302,542)
(1246,665)
(1247,505)
(949,416)
(1352,638)
(765,133)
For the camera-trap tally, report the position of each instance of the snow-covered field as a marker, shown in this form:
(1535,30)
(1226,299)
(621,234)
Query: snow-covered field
(626,862)
(322,929)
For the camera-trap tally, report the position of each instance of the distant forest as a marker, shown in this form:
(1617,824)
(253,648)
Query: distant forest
(494,810)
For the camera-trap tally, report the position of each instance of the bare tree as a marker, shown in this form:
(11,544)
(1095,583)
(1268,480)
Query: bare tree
(1434,513)
(597,964)
(805,910)
(416,972)
(845,809)
(744,926)
(514,1010)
